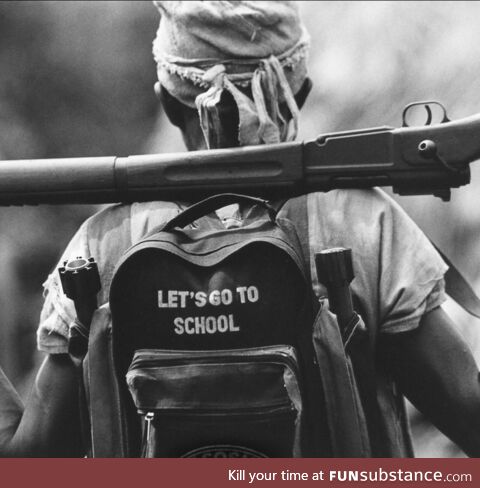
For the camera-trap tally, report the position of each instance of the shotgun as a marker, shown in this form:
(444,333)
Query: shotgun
(430,159)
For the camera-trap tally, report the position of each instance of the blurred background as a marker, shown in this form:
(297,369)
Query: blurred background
(76,79)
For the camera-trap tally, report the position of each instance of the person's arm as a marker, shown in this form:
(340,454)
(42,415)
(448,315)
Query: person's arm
(49,425)
(435,369)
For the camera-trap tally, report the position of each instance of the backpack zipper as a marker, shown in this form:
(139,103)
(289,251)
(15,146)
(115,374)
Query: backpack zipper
(150,357)
(149,417)
(280,409)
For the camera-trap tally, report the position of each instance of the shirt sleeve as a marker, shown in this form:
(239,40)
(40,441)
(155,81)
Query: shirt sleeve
(398,272)
(58,311)
(411,278)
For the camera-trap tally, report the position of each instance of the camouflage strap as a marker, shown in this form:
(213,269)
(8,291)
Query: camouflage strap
(458,288)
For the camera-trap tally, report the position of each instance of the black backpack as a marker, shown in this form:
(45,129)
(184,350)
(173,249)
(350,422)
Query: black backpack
(217,347)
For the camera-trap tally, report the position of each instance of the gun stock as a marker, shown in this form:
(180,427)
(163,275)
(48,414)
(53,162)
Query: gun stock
(412,160)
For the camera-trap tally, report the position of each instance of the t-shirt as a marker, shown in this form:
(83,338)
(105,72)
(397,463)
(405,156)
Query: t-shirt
(398,273)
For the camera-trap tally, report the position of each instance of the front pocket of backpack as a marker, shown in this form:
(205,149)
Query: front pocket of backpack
(227,403)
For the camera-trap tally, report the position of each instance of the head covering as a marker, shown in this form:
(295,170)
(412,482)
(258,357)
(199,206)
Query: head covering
(204,48)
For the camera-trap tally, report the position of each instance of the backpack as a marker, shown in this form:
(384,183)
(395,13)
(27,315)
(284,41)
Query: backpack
(214,345)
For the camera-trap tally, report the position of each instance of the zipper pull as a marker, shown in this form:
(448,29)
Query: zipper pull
(148,447)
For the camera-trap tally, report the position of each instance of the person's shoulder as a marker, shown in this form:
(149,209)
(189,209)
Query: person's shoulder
(357,218)
(108,214)
(117,214)
(358,204)
(128,223)
(355,198)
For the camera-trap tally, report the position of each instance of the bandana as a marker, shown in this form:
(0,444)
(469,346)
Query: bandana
(204,49)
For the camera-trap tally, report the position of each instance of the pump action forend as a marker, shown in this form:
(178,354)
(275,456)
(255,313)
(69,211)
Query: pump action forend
(430,159)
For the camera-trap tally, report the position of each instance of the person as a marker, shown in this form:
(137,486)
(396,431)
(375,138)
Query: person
(234,73)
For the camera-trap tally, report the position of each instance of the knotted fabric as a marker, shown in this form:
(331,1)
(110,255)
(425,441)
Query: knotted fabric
(204,49)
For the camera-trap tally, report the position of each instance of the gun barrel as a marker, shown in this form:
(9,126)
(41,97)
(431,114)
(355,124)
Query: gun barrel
(56,180)
(264,170)
(413,161)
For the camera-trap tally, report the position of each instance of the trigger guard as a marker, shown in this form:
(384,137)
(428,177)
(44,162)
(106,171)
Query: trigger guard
(427,104)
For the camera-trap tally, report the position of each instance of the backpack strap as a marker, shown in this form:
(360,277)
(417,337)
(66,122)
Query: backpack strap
(295,210)
(345,417)
(109,438)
